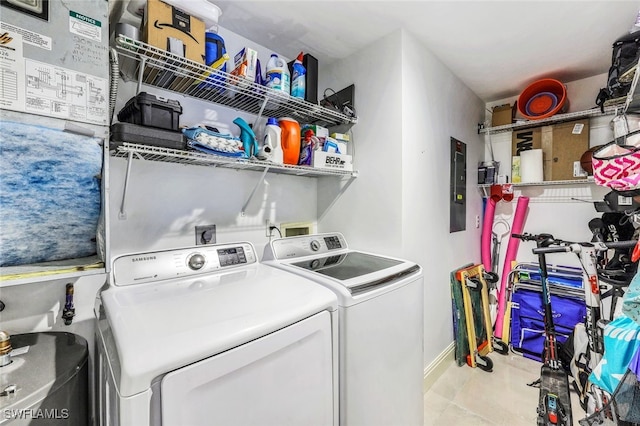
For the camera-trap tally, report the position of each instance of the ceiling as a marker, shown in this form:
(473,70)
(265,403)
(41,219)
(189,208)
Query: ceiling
(495,47)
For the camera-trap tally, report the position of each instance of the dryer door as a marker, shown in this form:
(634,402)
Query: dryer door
(284,378)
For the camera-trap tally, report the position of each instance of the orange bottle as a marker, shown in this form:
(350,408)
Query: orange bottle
(290,139)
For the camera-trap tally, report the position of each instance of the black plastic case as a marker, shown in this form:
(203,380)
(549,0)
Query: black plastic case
(149,110)
(133,133)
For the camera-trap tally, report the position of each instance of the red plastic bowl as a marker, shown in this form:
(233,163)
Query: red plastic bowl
(538,99)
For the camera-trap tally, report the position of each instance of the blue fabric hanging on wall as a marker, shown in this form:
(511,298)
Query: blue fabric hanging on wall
(49,194)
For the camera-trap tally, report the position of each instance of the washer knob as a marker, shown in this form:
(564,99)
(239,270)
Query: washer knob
(315,245)
(196,261)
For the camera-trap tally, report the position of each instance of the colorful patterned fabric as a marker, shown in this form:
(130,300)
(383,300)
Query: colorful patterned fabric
(631,300)
(621,341)
(617,167)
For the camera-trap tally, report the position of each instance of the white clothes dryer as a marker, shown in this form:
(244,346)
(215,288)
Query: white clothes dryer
(381,325)
(206,335)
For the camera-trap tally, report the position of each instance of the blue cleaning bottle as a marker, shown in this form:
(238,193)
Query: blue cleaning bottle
(299,78)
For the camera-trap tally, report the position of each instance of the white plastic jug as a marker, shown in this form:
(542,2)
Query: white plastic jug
(272,144)
(277,74)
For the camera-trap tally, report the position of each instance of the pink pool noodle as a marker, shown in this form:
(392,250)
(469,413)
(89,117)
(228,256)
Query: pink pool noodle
(487,228)
(512,251)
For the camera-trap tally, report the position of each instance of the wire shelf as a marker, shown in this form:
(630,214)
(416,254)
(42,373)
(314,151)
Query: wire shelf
(158,68)
(587,181)
(558,118)
(167,155)
(559,191)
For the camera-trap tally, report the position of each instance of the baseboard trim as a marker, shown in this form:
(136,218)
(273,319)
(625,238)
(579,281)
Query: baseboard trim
(434,370)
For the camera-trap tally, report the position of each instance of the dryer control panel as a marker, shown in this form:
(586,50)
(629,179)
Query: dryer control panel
(306,245)
(162,265)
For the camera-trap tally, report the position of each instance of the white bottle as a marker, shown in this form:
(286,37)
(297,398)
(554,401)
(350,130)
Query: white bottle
(277,75)
(272,143)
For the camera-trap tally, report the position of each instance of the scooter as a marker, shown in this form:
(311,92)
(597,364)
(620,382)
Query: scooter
(554,402)
(554,406)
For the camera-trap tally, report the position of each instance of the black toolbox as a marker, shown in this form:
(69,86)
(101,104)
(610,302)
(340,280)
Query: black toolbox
(149,110)
(133,133)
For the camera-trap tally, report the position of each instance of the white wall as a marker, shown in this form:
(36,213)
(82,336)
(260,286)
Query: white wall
(409,105)
(38,306)
(166,201)
(436,107)
(369,212)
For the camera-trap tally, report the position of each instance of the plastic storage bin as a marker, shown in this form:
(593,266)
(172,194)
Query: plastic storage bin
(127,132)
(152,111)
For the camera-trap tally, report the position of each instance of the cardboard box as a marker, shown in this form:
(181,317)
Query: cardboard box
(562,145)
(319,131)
(246,62)
(501,115)
(163,22)
(343,137)
(522,140)
(327,160)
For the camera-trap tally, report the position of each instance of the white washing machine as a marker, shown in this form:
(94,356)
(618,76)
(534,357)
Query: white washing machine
(208,336)
(381,325)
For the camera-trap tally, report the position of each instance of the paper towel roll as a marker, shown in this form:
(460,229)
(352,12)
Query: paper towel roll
(531,166)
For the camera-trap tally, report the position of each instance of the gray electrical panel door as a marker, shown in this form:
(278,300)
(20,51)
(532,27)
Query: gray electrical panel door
(458,188)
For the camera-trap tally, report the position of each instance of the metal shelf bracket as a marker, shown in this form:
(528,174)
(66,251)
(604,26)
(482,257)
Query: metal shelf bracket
(143,61)
(122,215)
(255,188)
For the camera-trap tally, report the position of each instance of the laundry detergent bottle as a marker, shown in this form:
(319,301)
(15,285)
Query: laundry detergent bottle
(277,75)
(272,143)
(290,140)
(298,78)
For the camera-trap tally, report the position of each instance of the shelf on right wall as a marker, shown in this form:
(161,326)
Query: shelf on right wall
(558,118)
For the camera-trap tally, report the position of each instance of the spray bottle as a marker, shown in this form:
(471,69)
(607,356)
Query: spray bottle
(298,78)
(248,137)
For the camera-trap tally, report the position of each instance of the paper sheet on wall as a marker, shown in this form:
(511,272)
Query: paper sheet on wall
(31,86)
(64,93)
(11,71)
(29,37)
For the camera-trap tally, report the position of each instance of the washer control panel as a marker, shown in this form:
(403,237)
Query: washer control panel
(307,245)
(232,256)
(161,265)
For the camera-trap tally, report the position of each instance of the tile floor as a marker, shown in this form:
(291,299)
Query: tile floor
(468,396)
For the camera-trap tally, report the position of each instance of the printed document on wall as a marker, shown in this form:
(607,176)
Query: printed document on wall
(27,85)
(11,71)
